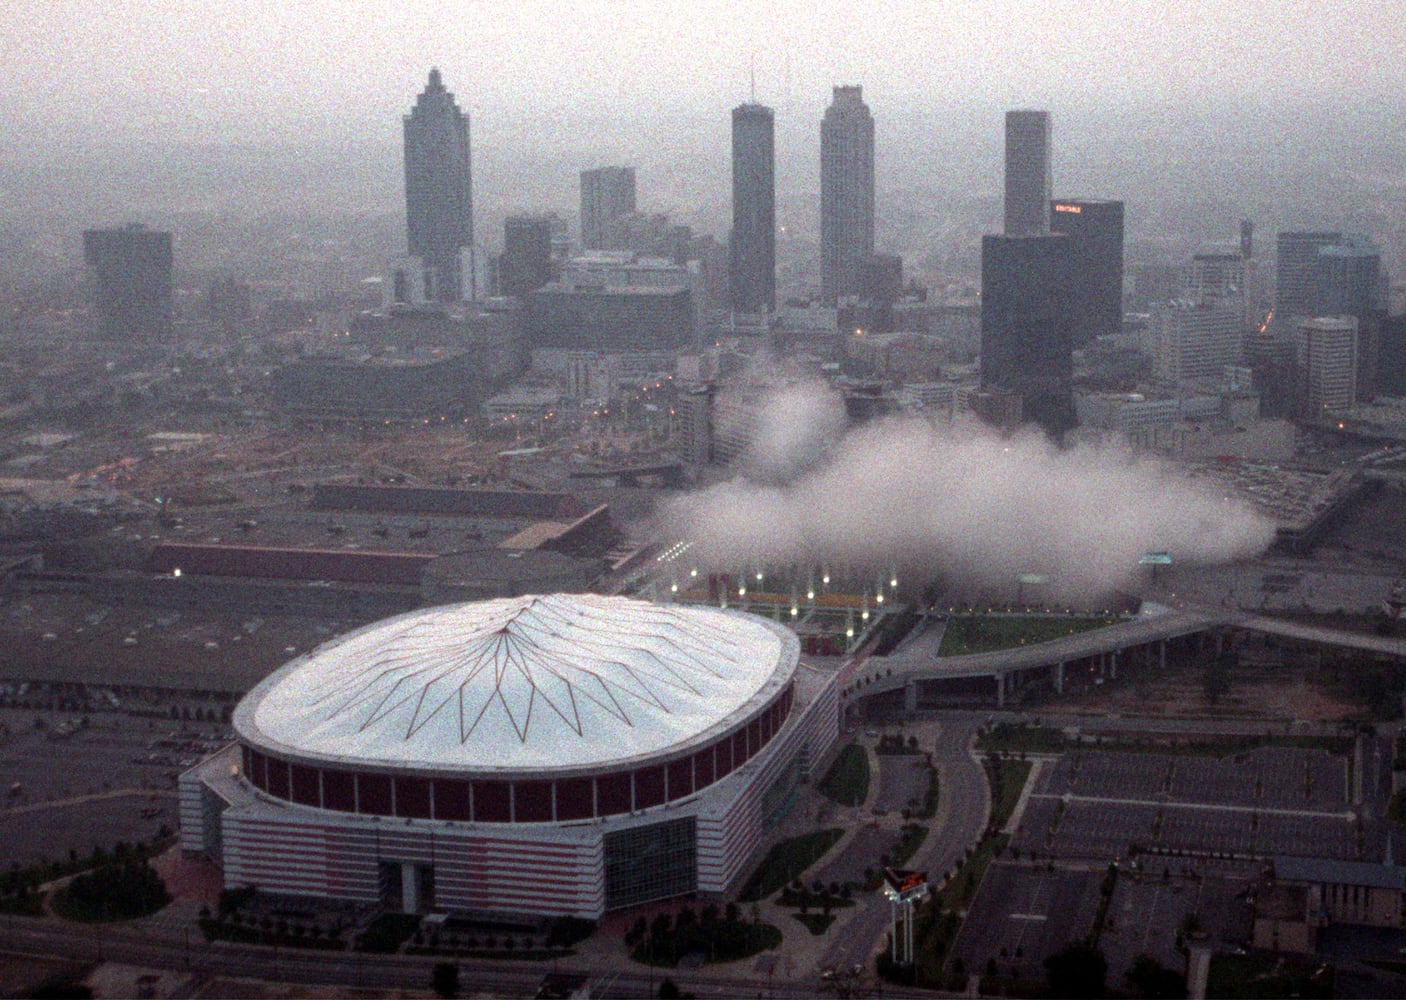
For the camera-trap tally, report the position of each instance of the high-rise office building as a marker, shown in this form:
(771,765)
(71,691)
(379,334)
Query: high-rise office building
(846,194)
(1194,341)
(1216,277)
(438,187)
(1027,325)
(1349,278)
(1350,284)
(132,282)
(1095,231)
(1391,357)
(1028,177)
(1326,353)
(1220,280)
(606,194)
(752,249)
(526,264)
(1296,276)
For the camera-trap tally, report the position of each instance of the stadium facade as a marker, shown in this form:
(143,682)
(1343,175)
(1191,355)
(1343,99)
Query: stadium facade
(562,754)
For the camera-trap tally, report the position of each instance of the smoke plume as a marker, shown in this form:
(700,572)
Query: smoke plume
(958,504)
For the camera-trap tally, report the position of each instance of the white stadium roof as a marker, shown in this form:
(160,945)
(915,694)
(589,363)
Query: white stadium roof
(540,683)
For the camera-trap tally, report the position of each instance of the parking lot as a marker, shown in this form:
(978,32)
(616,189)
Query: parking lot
(1100,805)
(70,786)
(903,781)
(1021,914)
(1147,911)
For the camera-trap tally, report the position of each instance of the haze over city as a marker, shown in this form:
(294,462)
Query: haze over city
(721,499)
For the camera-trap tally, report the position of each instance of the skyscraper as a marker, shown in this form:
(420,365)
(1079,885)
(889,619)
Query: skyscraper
(1326,353)
(1349,276)
(132,282)
(526,264)
(1027,325)
(1296,273)
(1095,231)
(1028,178)
(1195,340)
(438,187)
(846,194)
(606,193)
(1350,284)
(752,248)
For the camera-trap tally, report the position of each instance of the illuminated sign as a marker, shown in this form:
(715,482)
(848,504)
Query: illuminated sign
(1071,209)
(903,885)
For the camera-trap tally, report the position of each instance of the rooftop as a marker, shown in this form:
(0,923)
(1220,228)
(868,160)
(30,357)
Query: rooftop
(515,685)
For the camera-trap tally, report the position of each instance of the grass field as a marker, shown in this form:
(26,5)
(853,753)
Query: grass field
(847,781)
(1007,778)
(986,633)
(786,861)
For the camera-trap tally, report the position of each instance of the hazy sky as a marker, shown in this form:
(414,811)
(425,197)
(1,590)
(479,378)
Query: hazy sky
(252,69)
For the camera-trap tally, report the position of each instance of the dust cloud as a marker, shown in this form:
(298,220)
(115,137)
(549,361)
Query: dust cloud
(958,504)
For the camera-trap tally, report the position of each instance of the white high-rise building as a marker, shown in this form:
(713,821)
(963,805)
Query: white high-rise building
(1326,352)
(1193,340)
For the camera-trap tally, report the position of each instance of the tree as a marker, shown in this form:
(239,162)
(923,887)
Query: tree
(1150,978)
(1077,970)
(444,980)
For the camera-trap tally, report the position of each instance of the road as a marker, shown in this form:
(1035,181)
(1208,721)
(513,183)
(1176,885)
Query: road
(1166,623)
(964,806)
(376,972)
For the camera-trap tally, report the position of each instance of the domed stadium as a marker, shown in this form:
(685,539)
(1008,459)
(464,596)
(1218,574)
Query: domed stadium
(557,754)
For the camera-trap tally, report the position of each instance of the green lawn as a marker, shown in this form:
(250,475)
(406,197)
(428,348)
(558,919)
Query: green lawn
(1007,779)
(786,861)
(913,837)
(847,781)
(1266,976)
(985,633)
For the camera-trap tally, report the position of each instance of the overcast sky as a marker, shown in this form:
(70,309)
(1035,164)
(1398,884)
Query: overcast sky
(249,69)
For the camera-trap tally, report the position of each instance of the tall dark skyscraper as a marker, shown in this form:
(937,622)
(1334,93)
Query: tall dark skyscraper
(606,193)
(846,194)
(1296,277)
(1028,177)
(1027,324)
(1095,231)
(1349,276)
(132,282)
(439,208)
(526,264)
(752,248)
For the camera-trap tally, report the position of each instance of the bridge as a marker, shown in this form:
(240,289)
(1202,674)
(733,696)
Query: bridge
(669,474)
(916,669)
